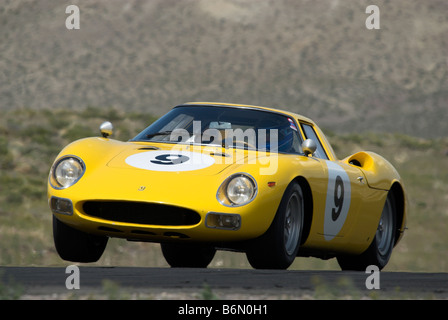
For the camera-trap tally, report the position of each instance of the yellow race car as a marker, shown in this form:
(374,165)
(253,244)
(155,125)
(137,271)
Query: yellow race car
(209,176)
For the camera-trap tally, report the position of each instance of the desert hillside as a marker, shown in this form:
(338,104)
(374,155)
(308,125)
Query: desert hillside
(313,57)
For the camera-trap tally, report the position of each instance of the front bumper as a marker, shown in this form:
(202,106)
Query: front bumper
(160,223)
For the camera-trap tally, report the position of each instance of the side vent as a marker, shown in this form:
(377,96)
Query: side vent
(355,163)
(361,159)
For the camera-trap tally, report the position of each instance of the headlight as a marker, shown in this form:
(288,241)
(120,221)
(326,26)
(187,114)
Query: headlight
(237,190)
(240,190)
(66,172)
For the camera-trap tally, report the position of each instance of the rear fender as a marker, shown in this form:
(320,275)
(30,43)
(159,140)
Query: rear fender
(379,173)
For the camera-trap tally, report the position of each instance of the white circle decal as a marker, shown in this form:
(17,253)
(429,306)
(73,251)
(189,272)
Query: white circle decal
(337,204)
(170,160)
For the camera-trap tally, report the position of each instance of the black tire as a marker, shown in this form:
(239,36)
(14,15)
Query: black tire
(380,250)
(179,255)
(77,246)
(278,247)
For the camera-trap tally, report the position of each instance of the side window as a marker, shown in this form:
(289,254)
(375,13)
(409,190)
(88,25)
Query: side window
(288,137)
(296,146)
(311,134)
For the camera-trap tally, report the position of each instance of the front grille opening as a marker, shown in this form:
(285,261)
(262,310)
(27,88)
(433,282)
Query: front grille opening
(141,213)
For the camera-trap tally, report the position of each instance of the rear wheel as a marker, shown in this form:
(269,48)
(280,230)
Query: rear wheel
(77,246)
(179,255)
(380,249)
(278,247)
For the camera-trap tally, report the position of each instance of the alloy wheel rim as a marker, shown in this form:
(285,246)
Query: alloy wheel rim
(384,231)
(293,221)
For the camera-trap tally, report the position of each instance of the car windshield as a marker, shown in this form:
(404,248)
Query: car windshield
(227,127)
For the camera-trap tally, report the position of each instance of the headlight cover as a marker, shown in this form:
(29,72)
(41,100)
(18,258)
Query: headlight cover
(66,172)
(237,190)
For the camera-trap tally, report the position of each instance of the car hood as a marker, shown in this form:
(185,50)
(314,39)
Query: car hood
(164,173)
(194,160)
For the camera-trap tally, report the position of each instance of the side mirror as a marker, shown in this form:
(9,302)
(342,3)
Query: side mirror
(309,147)
(106,129)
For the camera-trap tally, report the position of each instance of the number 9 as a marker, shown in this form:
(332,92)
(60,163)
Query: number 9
(338,198)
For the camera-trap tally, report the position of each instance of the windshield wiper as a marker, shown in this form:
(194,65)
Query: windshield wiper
(161,133)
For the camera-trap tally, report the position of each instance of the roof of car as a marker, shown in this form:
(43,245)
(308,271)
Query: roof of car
(245,106)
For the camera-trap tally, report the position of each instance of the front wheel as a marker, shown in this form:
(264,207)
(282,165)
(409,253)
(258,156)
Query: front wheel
(179,255)
(77,246)
(278,247)
(380,249)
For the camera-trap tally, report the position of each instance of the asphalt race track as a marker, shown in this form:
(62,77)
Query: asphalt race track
(49,282)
